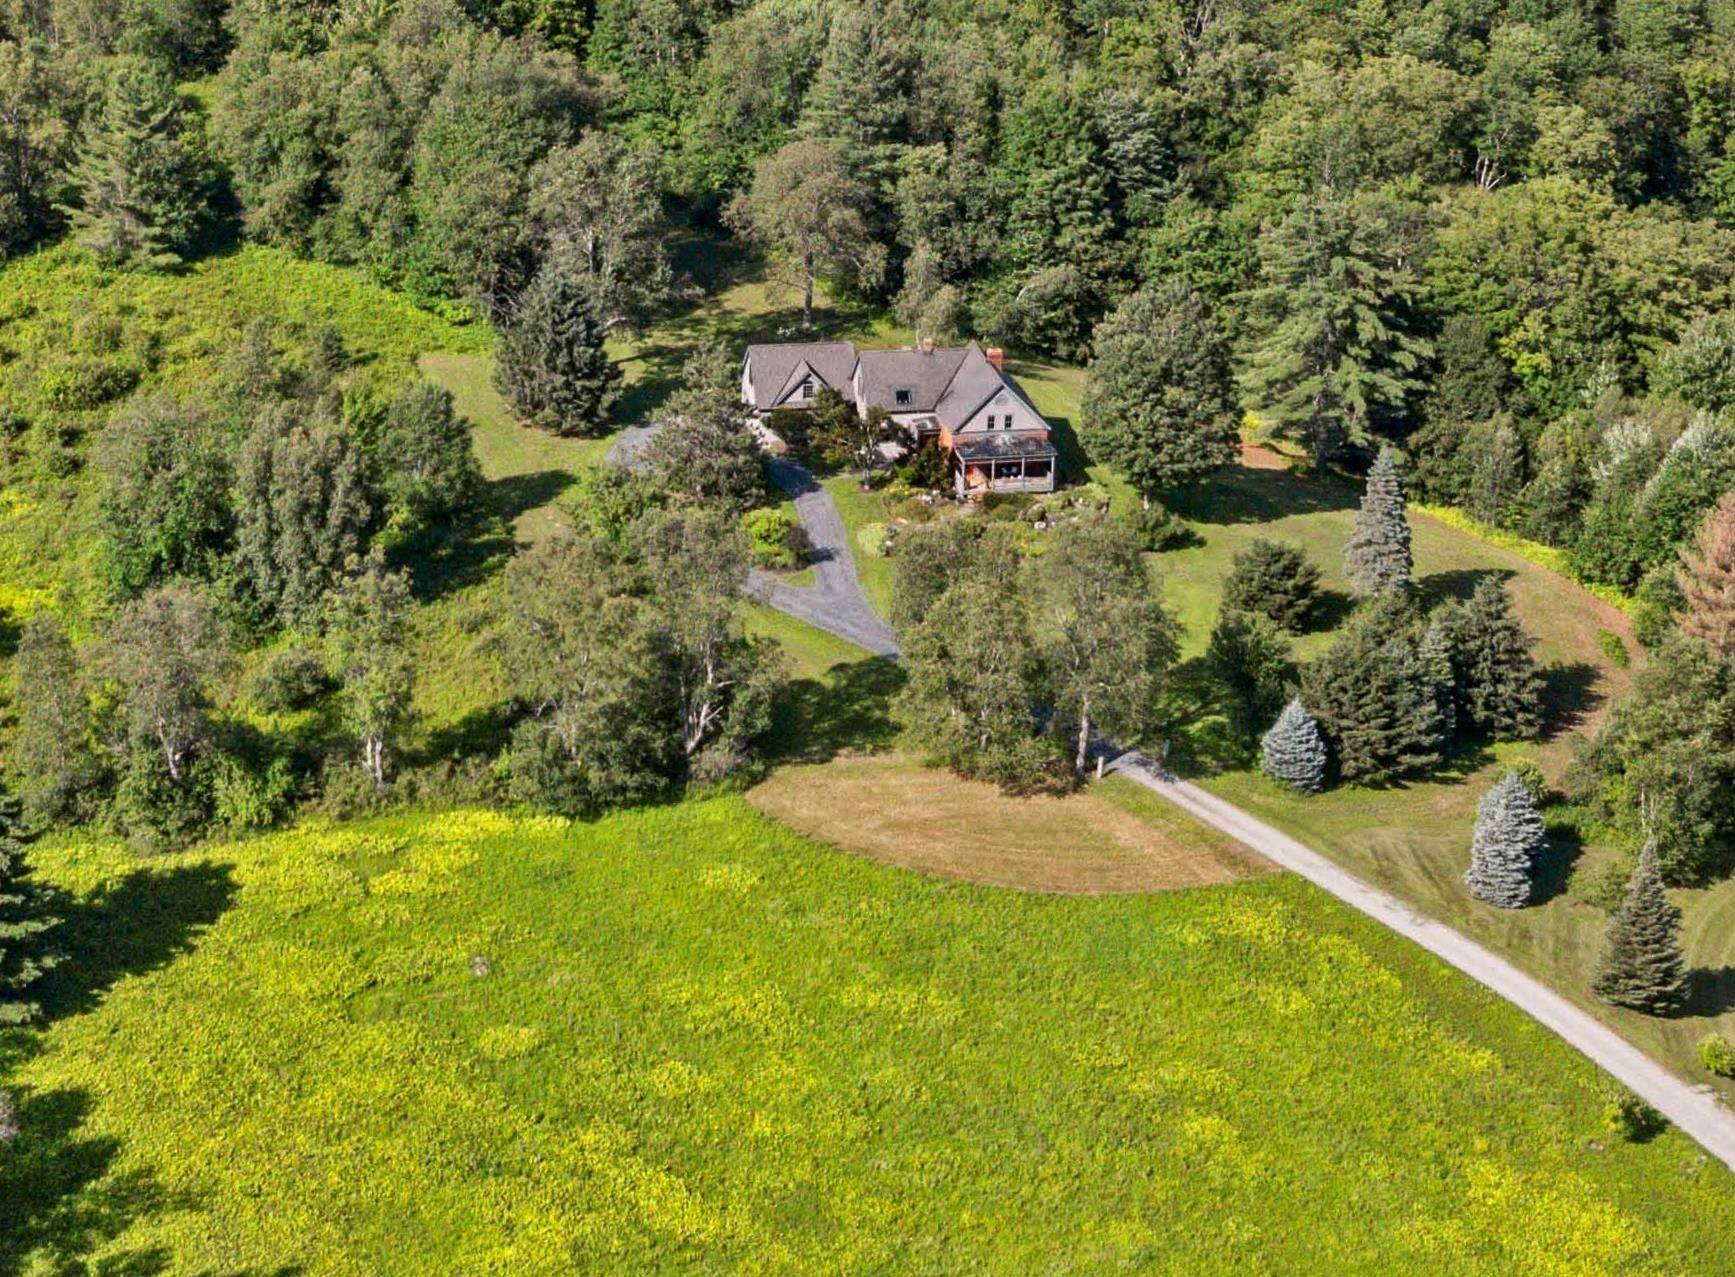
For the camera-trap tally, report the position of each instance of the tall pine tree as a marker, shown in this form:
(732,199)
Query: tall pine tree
(143,179)
(1505,847)
(1642,964)
(1499,686)
(24,923)
(1374,698)
(1333,347)
(552,367)
(1377,559)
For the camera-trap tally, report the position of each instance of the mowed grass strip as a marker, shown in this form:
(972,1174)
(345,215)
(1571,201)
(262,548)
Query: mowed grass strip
(688,1040)
(928,820)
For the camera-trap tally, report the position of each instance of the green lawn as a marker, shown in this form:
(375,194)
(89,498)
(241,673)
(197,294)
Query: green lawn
(685,1040)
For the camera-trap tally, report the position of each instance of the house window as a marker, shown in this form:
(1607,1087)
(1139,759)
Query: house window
(806,391)
(904,397)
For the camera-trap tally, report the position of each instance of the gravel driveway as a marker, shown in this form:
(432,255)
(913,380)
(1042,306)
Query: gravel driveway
(835,602)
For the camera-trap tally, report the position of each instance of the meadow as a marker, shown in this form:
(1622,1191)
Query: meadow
(687,1039)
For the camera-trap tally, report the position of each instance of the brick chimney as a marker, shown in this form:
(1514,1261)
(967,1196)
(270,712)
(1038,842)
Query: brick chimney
(997,357)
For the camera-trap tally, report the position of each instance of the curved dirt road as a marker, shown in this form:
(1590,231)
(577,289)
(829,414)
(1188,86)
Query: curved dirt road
(1696,1110)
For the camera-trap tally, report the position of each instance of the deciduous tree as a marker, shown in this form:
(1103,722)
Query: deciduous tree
(367,621)
(1106,639)
(597,205)
(1707,581)
(810,212)
(1159,400)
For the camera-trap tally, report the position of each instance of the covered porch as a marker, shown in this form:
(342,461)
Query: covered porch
(1003,463)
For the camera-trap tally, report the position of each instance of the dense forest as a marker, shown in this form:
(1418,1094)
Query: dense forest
(1499,238)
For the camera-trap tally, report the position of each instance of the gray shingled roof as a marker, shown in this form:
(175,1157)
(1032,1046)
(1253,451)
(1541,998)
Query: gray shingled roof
(925,374)
(771,367)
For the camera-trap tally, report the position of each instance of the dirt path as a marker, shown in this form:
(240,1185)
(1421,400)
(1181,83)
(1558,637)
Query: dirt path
(1694,1109)
(835,602)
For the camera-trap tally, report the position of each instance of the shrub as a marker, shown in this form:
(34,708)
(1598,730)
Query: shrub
(775,537)
(1252,659)
(244,798)
(157,813)
(86,382)
(926,469)
(1629,1117)
(291,678)
(1275,580)
(1008,506)
(1158,529)
(1614,647)
(1530,774)
(1717,1055)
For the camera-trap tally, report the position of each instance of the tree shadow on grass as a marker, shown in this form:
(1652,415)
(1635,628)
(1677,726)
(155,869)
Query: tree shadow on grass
(1710,991)
(1241,494)
(134,926)
(1571,693)
(1456,585)
(1331,608)
(60,1198)
(814,720)
(480,733)
(1554,871)
(454,556)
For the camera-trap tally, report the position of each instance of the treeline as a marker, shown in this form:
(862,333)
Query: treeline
(263,547)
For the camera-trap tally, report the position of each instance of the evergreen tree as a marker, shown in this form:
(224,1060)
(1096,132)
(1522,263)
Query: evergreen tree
(1275,580)
(1252,661)
(1332,348)
(1505,847)
(1292,751)
(551,364)
(25,922)
(1435,655)
(1377,559)
(1707,581)
(1642,964)
(1374,699)
(1499,686)
(142,179)
(1159,403)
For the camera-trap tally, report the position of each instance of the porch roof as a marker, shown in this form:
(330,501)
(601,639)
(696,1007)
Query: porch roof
(1003,447)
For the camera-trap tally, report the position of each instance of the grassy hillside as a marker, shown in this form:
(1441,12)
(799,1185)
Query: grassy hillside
(684,1039)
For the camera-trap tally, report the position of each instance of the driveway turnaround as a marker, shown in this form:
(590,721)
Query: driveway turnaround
(834,603)
(1696,1110)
